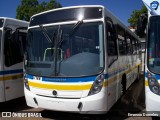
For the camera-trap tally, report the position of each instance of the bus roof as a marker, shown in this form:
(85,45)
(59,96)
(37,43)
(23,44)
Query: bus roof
(84,6)
(69,7)
(13,19)
(6,21)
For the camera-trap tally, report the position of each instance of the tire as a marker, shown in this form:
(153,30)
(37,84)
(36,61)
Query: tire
(138,75)
(123,84)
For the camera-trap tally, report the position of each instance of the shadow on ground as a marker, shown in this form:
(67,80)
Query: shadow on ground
(14,105)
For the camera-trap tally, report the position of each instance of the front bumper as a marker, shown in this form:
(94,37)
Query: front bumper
(152,101)
(94,104)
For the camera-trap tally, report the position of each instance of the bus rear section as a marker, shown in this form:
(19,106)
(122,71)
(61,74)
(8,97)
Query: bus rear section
(12,43)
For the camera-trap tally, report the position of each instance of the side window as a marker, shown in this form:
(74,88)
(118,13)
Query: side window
(111,42)
(141,46)
(111,39)
(121,41)
(137,46)
(129,44)
(134,44)
(12,49)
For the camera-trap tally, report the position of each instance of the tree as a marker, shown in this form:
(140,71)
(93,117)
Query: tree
(31,7)
(133,20)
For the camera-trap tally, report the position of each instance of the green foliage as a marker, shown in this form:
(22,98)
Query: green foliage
(135,15)
(31,7)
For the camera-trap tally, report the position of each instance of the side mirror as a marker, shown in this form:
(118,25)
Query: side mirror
(19,36)
(141,25)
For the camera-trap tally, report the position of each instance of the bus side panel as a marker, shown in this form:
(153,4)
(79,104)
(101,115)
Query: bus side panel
(14,89)
(14,82)
(1,90)
(113,85)
(132,71)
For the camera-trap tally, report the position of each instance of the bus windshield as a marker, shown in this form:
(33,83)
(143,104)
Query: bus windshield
(79,54)
(154,45)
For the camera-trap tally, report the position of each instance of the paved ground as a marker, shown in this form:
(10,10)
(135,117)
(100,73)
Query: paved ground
(131,102)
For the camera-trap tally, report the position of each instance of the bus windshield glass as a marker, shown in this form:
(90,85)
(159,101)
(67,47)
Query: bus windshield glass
(154,45)
(78,52)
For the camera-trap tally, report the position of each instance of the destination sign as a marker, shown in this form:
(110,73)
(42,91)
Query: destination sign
(67,15)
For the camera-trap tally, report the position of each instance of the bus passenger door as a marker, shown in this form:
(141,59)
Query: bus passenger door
(111,62)
(13,65)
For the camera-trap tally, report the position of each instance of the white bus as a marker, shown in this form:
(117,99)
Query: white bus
(11,58)
(152,60)
(79,59)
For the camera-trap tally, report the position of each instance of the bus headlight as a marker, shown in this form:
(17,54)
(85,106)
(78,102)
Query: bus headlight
(26,84)
(154,85)
(155,89)
(152,81)
(97,85)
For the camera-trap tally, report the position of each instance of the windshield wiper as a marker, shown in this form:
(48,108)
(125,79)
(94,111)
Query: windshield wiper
(71,32)
(60,40)
(45,33)
(57,43)
(75,27)
(51,40)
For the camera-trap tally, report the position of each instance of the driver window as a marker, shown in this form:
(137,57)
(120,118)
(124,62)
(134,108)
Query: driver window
(111,42)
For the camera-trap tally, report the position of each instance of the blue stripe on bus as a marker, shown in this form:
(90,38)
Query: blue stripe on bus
(145,74)
(70,79)
(11,71)
(65,79)
(77,79)
(29,76)
(115,72)
(155,76)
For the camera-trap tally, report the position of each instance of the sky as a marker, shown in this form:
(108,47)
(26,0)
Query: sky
(122,9)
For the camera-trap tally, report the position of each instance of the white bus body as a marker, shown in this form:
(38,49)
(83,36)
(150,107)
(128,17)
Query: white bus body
(11,65)
(152,74)
(88,76)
